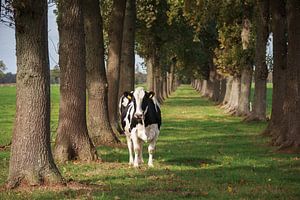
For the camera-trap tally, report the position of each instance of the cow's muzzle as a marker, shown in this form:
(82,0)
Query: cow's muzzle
(138,116)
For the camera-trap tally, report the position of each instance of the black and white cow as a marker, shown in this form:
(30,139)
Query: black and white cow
(141,120)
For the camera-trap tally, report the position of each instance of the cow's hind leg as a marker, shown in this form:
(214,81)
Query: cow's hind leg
(151,149)
(130,149)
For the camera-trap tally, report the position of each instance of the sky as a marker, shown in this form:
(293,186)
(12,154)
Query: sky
(8,44)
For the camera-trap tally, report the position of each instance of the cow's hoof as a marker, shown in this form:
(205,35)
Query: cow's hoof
(130,163)
(150,165)
(136,165)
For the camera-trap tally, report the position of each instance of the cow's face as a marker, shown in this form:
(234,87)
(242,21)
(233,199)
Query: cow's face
(140,99)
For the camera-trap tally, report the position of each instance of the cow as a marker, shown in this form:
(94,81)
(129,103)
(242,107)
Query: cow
(140,120)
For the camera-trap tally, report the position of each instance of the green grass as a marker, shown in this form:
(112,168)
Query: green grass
(201,154)
(8,109)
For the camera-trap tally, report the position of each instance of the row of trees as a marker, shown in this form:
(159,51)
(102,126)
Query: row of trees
(215,44)
(81,69)
(241,49)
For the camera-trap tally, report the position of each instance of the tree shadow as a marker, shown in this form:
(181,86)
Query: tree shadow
(190,161)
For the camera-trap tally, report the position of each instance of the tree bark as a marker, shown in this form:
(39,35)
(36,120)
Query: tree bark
(157,77)
(229,81)
(114,56)
(290,127)
(213,83)
(234,96)
(127,66)
(279,66)
(244,99)
(171,77)
(261,70)
(164,86)
(223,87)
(150,74)
(98,121)
(246,71)
(31,160)
(72,141)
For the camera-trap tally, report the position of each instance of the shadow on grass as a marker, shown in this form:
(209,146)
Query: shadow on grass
(209,181)
(190,161)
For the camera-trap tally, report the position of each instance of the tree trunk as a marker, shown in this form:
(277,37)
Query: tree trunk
(214,83)
(174,80)
(261,70)
(127,65)
(229,81)
(171,77)
(72,141)
(290,127)
(158,78)
(114,56)
(164,86)
(234,96)
(150,74)
(98,122)
(244,99)
(279,66)
(246,71)
(31,160)
(203,88)
(168,84)
(223,84)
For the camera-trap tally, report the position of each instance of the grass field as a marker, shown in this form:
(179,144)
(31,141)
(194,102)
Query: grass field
(201,154)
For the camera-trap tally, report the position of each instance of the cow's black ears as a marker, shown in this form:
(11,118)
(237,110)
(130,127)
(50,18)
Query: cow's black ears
(151,94)
(128,95)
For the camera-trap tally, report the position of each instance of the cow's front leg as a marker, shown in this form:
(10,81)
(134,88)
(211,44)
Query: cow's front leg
(151,149)
(137,148)
(130,148)
(141,160)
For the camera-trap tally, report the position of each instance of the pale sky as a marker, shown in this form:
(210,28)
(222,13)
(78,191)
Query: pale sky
(8,49)
(8,44)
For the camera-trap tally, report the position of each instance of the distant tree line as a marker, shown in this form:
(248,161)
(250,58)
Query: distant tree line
(8,78)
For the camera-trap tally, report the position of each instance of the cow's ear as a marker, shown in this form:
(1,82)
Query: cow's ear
(151,94)
(128,95)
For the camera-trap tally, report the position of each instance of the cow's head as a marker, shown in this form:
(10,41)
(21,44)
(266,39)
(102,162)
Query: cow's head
(140,99)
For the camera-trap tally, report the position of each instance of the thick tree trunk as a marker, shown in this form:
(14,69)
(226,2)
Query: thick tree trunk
(290,126)
(174,81)
(171,78)
(114,56)
(72,141)
(150,74)
(244,100)
(223,84)
(31,160)
(158,78)
(127,65)
(214,84)
(233,103)
(229,81)
(98,122)
(246,71)
(261,70)
(216,90)
(203,90)
(165,86)
(279,66)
